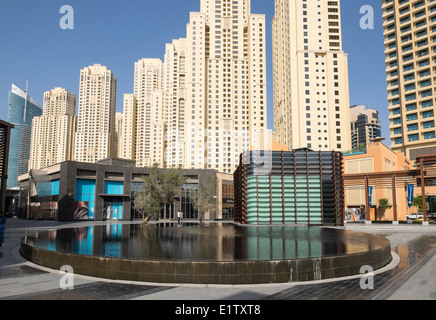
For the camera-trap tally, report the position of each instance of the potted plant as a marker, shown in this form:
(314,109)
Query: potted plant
(383,204)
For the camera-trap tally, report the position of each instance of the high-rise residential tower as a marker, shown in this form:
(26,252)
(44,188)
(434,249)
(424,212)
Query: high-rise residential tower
(174,84)
(95,136)
(119,117)
(149,99)
(202,105)
(365,125)
(53,132)
(310,73)
(410,35)
(127,140)
(22,110)
(225,83)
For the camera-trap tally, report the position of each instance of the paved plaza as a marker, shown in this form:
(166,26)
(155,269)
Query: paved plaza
(410,276)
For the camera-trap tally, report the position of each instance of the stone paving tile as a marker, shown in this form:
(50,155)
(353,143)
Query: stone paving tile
(92,291)
(19,270)
(415,252)
(421,251)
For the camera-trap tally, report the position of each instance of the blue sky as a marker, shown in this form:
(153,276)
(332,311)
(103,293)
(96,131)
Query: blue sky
(117,33)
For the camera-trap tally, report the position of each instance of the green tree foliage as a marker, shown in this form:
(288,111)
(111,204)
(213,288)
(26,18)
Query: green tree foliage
(360,148)
(159,188)
(171,184)
(204,199)
(384,204)
(417,202)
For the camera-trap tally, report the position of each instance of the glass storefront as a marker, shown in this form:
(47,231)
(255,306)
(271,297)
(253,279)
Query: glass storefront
(113,209)
(45,204)
(113,205)
(170,211)
(114,187)
(108,199)
(431,205)
(85,199)
(187,207)
(228,202)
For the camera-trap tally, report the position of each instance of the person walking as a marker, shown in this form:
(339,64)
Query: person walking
(179,218)
(2,228)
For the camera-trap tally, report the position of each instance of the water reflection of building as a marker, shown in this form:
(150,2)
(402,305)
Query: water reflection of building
(104,191)
(213,242)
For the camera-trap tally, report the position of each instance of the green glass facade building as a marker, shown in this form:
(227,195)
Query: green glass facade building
(22,110)
(297,187)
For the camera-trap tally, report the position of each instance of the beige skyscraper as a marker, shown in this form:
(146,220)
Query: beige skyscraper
(310,71)
(175,102)
(119,117)
(52,139)
(95,137)
(226,83)
(127,140)
(202,105)
(409,32)
(143,115)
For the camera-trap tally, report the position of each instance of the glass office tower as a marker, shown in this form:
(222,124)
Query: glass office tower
(22,110)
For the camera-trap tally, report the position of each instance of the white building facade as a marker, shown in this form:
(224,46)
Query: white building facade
(310,72)
(52,139)
(95,136)
(226,83)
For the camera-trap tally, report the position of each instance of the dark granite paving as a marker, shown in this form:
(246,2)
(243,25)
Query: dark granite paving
(19,270)
(92,291)
(413,255)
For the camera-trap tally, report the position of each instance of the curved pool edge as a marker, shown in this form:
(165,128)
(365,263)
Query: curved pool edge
(212,272)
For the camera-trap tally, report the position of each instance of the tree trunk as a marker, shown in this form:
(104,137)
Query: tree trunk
(145,221)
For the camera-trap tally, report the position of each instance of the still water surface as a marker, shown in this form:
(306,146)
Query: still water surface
(208,242)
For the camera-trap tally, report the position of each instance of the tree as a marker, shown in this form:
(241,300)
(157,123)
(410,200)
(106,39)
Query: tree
(171,185)
(384,204)
(148,198)
(204,199)
(360,148)
(417,202)
(147,206)
(159,188)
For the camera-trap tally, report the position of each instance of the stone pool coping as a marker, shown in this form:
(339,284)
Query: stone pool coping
(212,272)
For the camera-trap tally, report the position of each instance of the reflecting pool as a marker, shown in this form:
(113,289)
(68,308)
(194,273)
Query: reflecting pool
(209,242)
(223,250)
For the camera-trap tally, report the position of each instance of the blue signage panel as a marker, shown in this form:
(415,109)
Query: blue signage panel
(410,194)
